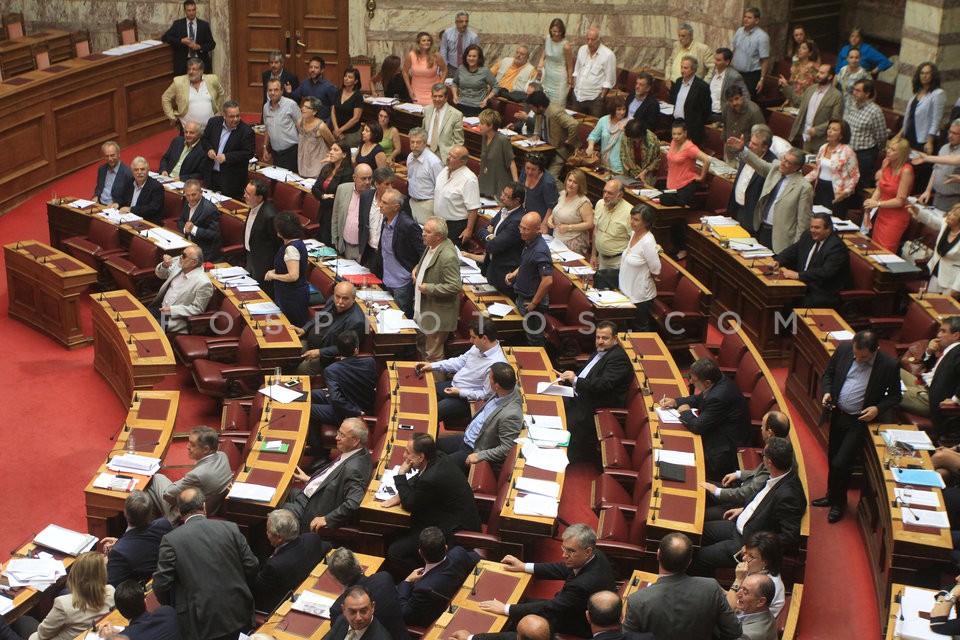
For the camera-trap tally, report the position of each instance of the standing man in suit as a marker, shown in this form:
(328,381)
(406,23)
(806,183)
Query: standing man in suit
(556,127)
(259,235)
(276,71)
(200,221)
(294,557)
(786,200)
(319,336)
(350,224)
(584,571)
(345,569)
(438,496)
(437,289)
(821,103)
(717,413)
(778,508)
(143,196)
(602,382)
(358,618)
(210,474)
(720,79)
(112,175)
(401,245)
(186,291)
(491,433)
(186,158)
(190,37)
(642,105)
(351,386)
(333,494)
(230,145)
(749,183)
(690,97)
(426,592)
(208,566)
(820,260)
(753,607)
(678,605)
(131,603)
(443,123)
(134,555)
(503,245)
(861,384)
(196,96)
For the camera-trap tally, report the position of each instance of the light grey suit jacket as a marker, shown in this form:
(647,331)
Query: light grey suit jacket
(750,484)
(192,300)
(500,429)
(682,606)
(759,626)
(451,129)
(339,495)
(341,207)
(831,108)
(791,211)
(212,475)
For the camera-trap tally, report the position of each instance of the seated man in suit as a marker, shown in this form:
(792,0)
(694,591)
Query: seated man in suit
(491,433)
(211,475)
(200,221)
(345,569)
(134,555)
(820,260)
(501,239)
(112,175)
(294,557)
(358,618)
(936,383)
(333,494)
(678,605)
(584,570)
(319,336)
(778,508)
(351,386)
(753,607)
(721,418)
(426,592)
(142,196)
(131,603)
(186,291)
(602,382)
(186,158)
(748,182)
(438,496)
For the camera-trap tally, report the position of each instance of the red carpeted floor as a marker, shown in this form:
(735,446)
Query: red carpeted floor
(60,415)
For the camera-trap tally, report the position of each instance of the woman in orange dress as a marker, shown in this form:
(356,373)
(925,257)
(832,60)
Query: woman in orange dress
(894,182)
(423,67)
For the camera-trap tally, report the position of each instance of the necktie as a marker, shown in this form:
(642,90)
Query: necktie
(190,32)
(813,252)
(435,132)
(459,49)
(353,634)
(772,199)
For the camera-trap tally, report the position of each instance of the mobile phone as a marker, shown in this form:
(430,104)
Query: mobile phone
(291,383)
(407,427)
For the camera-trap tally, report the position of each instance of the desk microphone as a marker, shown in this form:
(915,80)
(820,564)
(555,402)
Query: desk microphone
(123,427)
(898,501)
(636,582)
(270,422)
(146,445)
(140,343)
(476,572)
(13,552)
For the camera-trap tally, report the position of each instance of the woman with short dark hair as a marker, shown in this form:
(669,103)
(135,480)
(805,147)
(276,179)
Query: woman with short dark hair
(290,291)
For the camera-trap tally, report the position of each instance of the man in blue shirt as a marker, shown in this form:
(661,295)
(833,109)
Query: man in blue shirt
(532,279)
(317,86)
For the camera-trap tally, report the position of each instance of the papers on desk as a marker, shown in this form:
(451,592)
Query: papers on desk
(281,394)
(114,216)
(546,488)
(80,203)
(924,518)
(134,463)
(468,265)
(280,174)
(393,321)
(313,604)
(720,168)
(608,298)
(886,258)
(793,111)
(567,256)
(6,605)
(346,267)
(473,278)
(175,185)
(843,226)
(547,437)
(483,288)
(508,132)
(500,309)
(250,491)
(93,635)
(226,273)
(65,540)
(918,477)
(407,107)
(719,221)
(243,283)
(371,295)
(123,50)
(915,439)
(263,309)
(388,487)
(544,422)
(668,416)
(165,239)
(487,203)
(554,389)
(842,335)
(547,459)
(381,100)
(112,482)
(532,504)
(684,458)
(214,197)
(666,108)
(38,573)
(749,248)
(913,602)
(649,194)
(529,143)
(581,271)
(471,120)
(916,498)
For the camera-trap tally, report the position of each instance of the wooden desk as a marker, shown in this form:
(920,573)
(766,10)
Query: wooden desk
(638,580)
(812,350)
(16,56)
(892,625)
(150,421)
(897,550)
(937,305)
(741,288)
(508,326)
(885,282)
(44,286)
(24,598)
(130,350)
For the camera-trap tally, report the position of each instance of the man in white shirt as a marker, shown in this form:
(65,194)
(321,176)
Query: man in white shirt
(722,78)
(456,197)
(281,116)
(423,167)
(259,235)
(186,292)
(594,75)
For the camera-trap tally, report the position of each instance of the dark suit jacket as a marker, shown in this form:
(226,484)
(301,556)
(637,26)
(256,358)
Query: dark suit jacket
(203,37)
(204,570)
(339,629)
(566,611)
(207,221)
(883,388)
(407,244)
(384,592)
(649,110)
(682,607)
(150,203)
(159,624)
(696,108)
(332,324)
(238,151)
(134,556)
(439,496)
(124,175)
(423,601)
(503,250)
(744,214)
(366,253)
(723,422)
(352,384)
(340,494)
(828,272)
(195,166)
(286,569)
(264,242)
(945,384)
(285,76)
(780,512)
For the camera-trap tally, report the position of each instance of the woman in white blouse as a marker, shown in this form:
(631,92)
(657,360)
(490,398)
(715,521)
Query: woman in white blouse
(944,264)
(640,266)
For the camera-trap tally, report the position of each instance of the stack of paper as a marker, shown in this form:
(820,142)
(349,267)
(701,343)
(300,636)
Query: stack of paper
(500,310)
(65,540)
(250,491)
(841,335)
(546,437)
(409,108)
(38,573)
(133,463)
(649,194)
(567,256)
(165,239)
(471,120)
(546,488)
(719,221)
(666,108)
(473,278)
(80,203)
(225,273)
(916,497)
(534,505)
(916,439)
(371,295)
(263,309)
(608,298)
(215,197)
(313,604)
(281,394)
(280,174)
(915,603)
(528,143)
(468,266)
(924,518)
(544,422)
(112,482)
(508,132)
(554,389)
(548,459)
(684,458)
(668,416)
(581,271)
(886,258)
(393,321)
(380,100)
(93,635)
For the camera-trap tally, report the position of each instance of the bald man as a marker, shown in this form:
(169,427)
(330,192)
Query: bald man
(349,226)
(532,279)
(530,627)
(456,198)
(594,75)
(319,336)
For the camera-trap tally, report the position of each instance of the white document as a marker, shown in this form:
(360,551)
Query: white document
(567,256)
(278,173)
(844,225)
(547,488)
(608,298)
(547,459)
(473,278)
(925,518)
(250,491)
(554,389)
(113,483)
(668,416)
(913,627)
(6,605)
(916,439)
(226,273)
(544,436)
(581,271)
(410,108)
(471,120)
(719,221)
(80,203)
(314,604)
(508,132)
(281,394)
(134,463)
(916,497)
(468,265)
(499,309)
(65,540)
(684,458)
(544,422)
(370,295)
(841,335)
(393,321)
(246,288)
(534,505)
(263,309)
(886,258)
(649,194)
(34,572)
(819,208)
(215,197)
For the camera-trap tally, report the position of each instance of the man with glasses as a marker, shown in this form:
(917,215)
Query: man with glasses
(611,233)
(186,292)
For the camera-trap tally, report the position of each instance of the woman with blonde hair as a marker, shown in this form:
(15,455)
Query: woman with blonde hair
(894,182)
(572,218)
(90,599)
(423,67)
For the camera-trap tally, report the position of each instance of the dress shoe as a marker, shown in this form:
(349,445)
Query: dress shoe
(821,502)
(835,514)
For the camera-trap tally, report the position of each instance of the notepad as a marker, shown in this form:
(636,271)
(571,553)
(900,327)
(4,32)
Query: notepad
(683,458)
(499,309)
(551,437)
(545,422)
(281,394)
(251,491)
(313,604)
(668,416)
(275,446)
(924,518)
(65,540)
(546,488)
(918,477)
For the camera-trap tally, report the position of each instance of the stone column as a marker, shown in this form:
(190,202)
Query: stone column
(931,31)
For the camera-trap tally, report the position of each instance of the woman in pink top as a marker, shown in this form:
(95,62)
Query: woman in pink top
(422,68)
(682,178)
